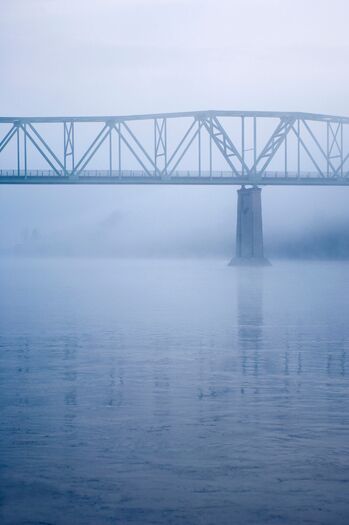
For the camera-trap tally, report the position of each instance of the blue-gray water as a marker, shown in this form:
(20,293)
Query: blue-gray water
(173,392)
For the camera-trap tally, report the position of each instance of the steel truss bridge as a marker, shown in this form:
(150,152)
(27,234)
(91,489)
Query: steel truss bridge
(201,147)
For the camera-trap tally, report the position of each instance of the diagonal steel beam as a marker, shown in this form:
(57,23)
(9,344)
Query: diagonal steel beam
(38,147)
(196,133)
(46,146)
(178,147)
(134,153)
(324,154)
(224,143)
(92,149)
(8,137)
(145,153)
(298,135)
(273,144)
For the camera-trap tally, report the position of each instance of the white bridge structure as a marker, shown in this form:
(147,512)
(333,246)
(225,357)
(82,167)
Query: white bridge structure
(245,148)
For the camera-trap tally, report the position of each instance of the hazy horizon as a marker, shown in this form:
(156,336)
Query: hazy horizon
(149,56)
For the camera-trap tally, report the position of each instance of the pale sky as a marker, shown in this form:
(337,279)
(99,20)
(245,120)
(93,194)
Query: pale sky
(139,56)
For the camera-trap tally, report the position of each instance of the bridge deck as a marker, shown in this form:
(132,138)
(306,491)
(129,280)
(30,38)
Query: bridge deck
(180,178)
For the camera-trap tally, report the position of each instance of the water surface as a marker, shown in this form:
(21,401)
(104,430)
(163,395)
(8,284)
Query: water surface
(173,392)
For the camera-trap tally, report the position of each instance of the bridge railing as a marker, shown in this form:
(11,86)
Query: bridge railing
(272,175)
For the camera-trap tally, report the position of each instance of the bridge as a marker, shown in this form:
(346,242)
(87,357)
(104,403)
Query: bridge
(244,148)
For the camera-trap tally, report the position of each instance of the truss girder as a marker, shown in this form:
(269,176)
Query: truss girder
(159,157)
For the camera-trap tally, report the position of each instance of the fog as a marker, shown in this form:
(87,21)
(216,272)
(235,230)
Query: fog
(138,56)
(167,221)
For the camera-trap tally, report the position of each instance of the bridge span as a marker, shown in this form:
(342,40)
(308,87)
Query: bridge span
(244,148)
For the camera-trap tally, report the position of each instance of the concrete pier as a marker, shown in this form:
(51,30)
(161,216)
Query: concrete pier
(249,229)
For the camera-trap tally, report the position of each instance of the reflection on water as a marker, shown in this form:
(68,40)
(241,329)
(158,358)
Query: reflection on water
(173,392)
(250,317)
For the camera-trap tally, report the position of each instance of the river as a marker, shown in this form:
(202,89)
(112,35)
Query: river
(173,392)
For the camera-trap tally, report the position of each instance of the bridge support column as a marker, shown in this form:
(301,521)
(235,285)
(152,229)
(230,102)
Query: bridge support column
(249,229)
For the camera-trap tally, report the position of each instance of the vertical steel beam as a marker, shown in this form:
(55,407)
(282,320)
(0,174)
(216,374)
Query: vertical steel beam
(65,147)
(118,127)
(328,148)
(211,146)
(255,145)
(18,153)
(243,145)
(165,145)
(341,153)
(155,146)
(72,145)
(298,149)
(110,153)
(25,153)
(199,146)
(286,170)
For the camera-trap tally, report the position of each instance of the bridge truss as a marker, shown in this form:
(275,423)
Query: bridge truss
(203,147)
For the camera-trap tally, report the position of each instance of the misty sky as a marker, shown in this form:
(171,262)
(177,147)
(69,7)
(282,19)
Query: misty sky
(61,57)
(137,56)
